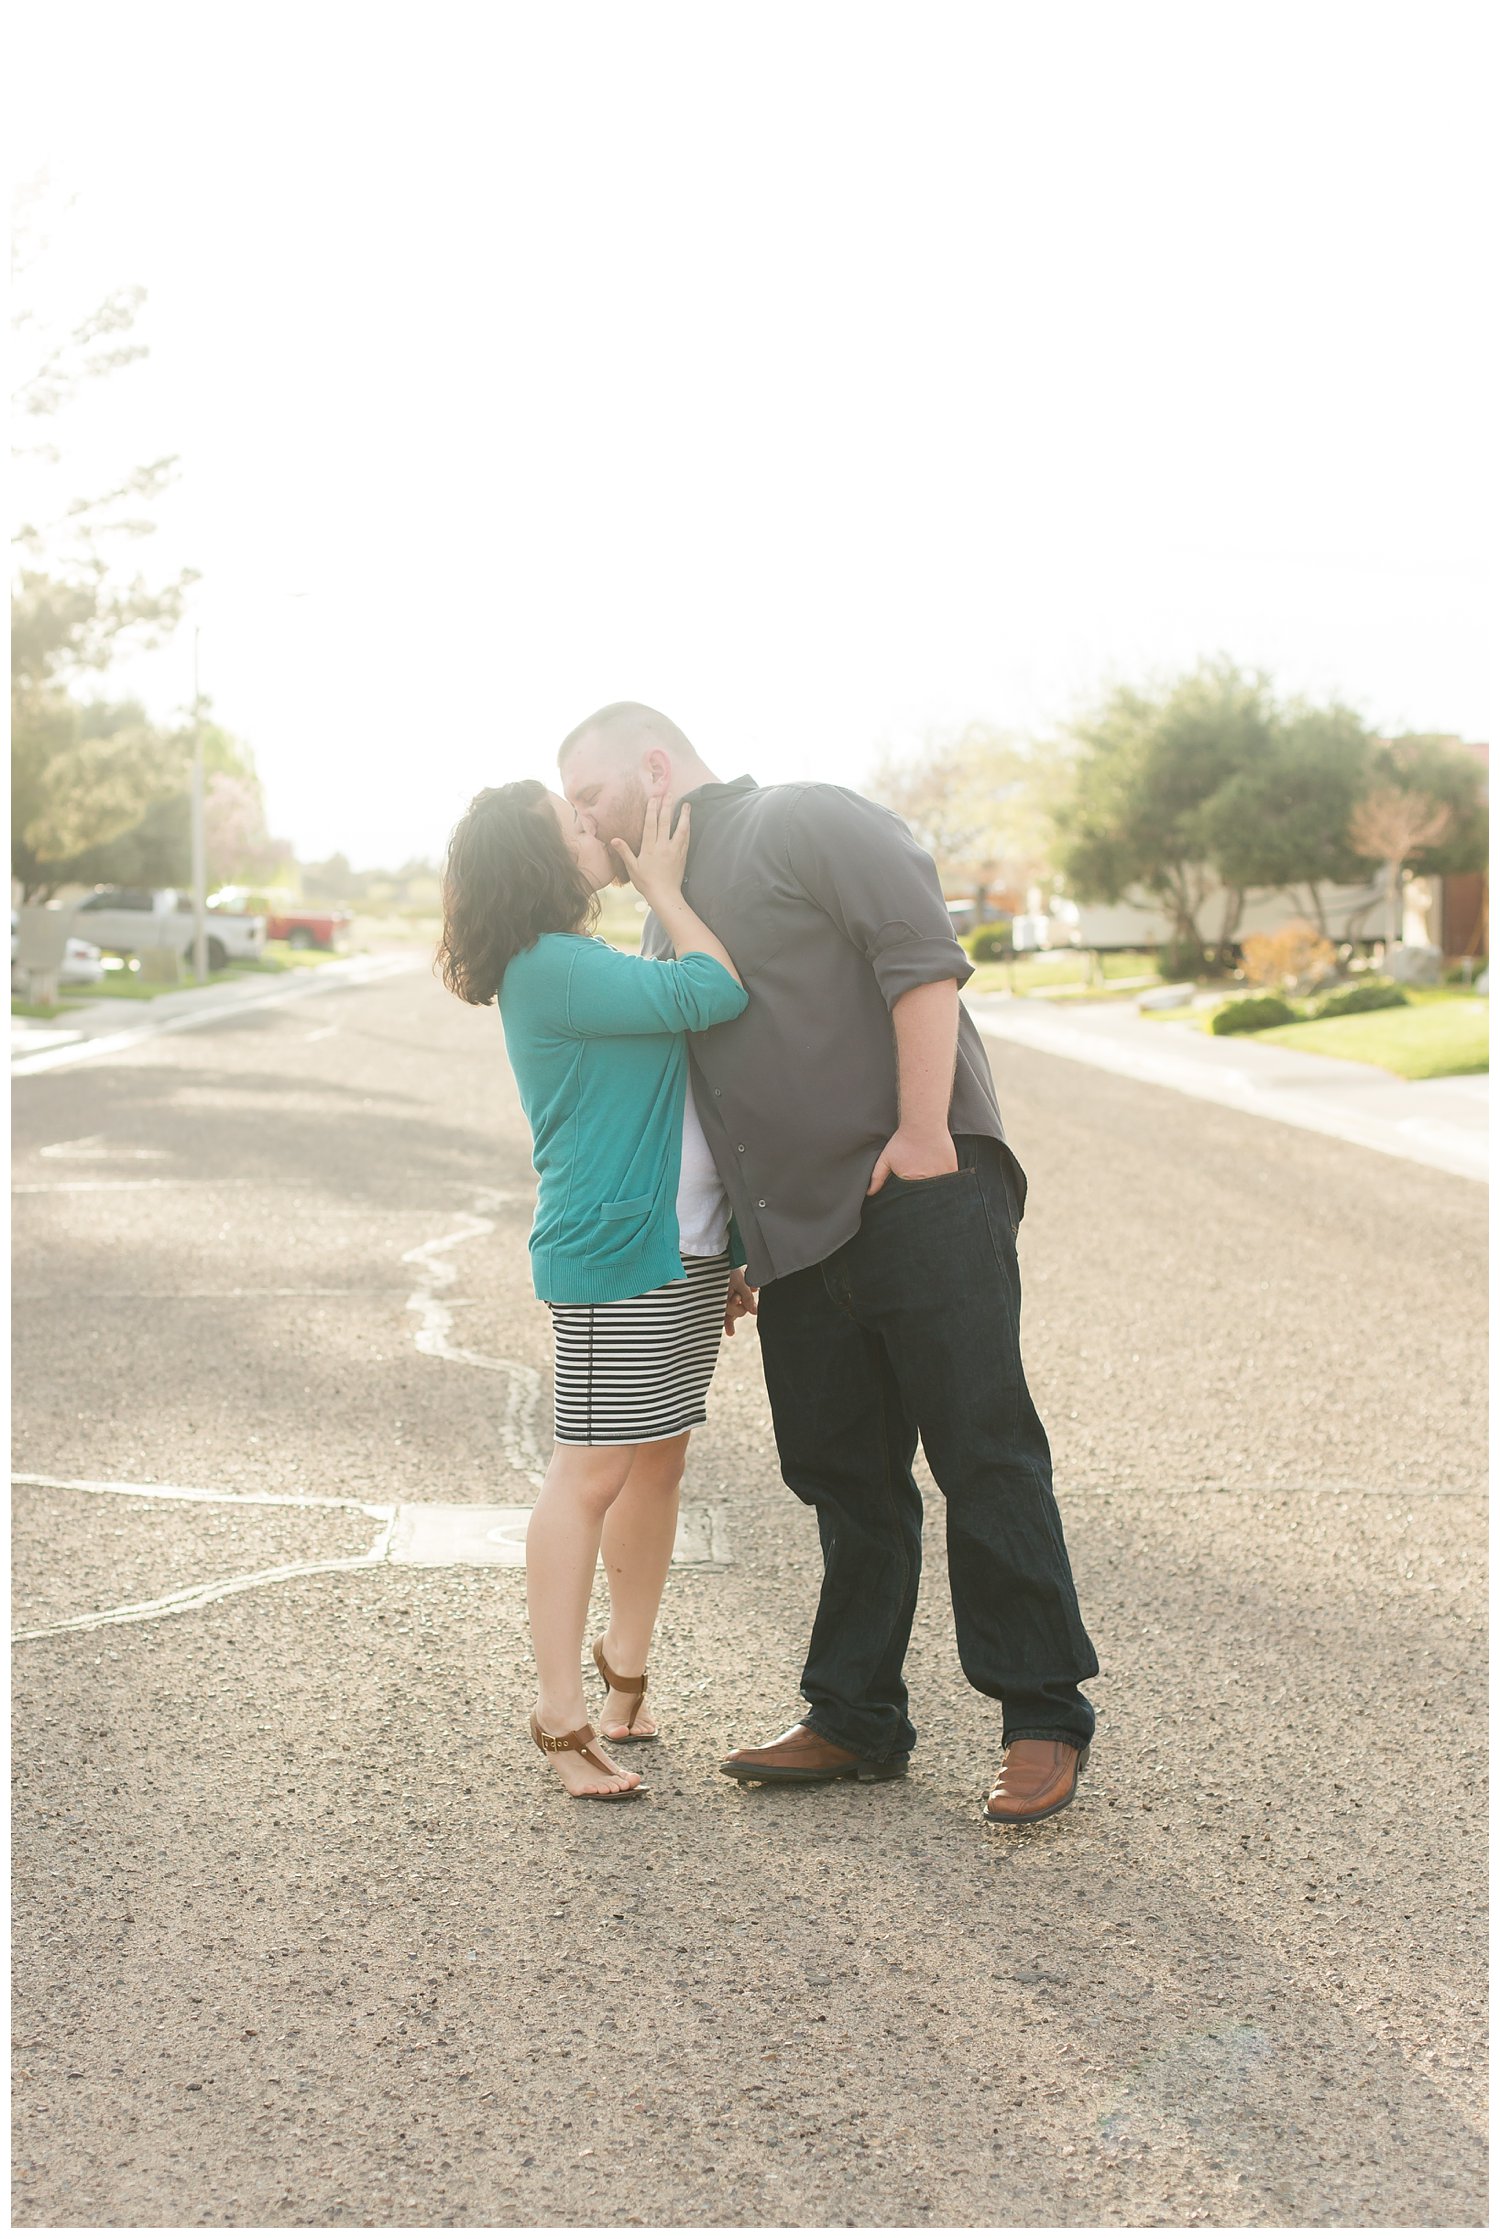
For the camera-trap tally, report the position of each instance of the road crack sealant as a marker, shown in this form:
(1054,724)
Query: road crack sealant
(198,1596)
(417,1532)
(426,1534)
(433,1336)
(434,1333)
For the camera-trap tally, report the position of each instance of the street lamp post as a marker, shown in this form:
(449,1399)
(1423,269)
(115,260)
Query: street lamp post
(200,868)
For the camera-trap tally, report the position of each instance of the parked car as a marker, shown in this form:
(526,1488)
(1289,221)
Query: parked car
(82,965)
(130,919)
(319,926)
(309,928)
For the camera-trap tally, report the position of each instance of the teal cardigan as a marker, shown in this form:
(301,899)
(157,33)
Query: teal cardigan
(596,1043)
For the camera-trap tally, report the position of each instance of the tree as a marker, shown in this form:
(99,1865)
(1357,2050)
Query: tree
(68,623)
(1132,824)
(236,841)
(77,781)
(331,881)
(1444,770)
(72,607)
(974,800)
(81,777)
(1283,819)
(1391,825)
(153,845)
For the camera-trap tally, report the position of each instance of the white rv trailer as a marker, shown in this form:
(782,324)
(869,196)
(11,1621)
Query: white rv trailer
(1351,913)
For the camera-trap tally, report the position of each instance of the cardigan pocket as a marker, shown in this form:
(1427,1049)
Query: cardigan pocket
(628,1208)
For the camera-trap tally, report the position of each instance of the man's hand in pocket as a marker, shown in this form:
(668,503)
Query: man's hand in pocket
(913,1158)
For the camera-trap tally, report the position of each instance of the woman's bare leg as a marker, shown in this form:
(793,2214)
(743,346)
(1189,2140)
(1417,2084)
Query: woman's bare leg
(562,1550)
(640,1529)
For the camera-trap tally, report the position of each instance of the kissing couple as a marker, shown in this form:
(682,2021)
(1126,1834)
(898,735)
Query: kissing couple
(780,1108)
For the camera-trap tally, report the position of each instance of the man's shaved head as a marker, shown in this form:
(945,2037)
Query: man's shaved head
(625,731)
(621,758)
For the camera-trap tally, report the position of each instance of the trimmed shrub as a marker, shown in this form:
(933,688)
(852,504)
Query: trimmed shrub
(988,942)
(1252,1012)
(1365,995)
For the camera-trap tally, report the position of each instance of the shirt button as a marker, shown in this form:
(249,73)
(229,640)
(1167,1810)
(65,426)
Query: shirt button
(718,1092)
(760,1201)
(739,1146)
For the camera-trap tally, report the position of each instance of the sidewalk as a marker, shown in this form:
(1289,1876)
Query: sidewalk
(1442,1123)
(115,1023)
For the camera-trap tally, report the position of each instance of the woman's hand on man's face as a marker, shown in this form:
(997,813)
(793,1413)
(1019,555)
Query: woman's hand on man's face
(657,871)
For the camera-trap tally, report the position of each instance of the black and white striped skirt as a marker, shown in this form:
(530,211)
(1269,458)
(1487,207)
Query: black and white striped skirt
(638,1369)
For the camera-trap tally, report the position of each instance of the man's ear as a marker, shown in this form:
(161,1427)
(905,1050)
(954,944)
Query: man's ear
(659,772)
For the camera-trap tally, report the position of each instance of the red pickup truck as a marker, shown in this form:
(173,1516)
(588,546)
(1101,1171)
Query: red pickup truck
(315,928)
(309,928)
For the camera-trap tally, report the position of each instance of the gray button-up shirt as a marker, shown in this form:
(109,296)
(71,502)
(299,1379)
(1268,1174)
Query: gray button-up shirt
(830,911)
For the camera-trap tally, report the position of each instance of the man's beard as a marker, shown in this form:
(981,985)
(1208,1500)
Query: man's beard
(628,824)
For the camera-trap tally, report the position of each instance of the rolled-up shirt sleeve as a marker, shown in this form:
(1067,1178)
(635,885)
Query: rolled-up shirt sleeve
(859,862)
(611,993)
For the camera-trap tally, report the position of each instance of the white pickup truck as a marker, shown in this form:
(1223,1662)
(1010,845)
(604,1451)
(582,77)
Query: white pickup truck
(128,920)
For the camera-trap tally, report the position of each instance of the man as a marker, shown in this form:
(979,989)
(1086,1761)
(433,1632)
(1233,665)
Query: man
(852,1116)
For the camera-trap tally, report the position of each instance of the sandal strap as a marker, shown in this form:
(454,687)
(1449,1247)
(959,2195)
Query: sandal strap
(579,1739)
(612,1679)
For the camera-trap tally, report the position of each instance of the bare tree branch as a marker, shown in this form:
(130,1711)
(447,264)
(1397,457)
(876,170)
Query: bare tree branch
(75,360)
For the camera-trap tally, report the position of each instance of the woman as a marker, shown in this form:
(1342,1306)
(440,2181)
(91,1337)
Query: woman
(629,1246)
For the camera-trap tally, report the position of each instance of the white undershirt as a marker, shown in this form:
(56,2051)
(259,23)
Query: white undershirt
(702,1204)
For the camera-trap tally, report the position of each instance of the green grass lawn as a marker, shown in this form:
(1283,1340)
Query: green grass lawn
(279,956)
(1065,973)
(119,987)
(20,1009)
(129,987)
(1442,1031)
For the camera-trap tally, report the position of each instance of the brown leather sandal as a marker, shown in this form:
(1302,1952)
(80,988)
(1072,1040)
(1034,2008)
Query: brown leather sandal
(579,1739)
(619,1686)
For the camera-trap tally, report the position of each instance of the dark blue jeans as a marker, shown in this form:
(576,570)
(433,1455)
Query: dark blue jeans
(912,1329)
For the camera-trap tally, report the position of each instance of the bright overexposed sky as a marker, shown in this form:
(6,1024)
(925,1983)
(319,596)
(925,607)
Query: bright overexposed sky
(824,372)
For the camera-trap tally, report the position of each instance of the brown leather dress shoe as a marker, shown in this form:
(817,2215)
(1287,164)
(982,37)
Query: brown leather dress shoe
(800,1757)
(1036,1778)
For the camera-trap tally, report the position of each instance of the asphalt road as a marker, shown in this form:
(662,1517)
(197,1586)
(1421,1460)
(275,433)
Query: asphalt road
(305,1933)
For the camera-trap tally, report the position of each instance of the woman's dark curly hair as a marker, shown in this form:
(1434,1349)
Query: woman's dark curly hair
(509,879)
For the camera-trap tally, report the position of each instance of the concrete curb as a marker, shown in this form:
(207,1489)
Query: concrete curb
(1441,1123)
(94,1030)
